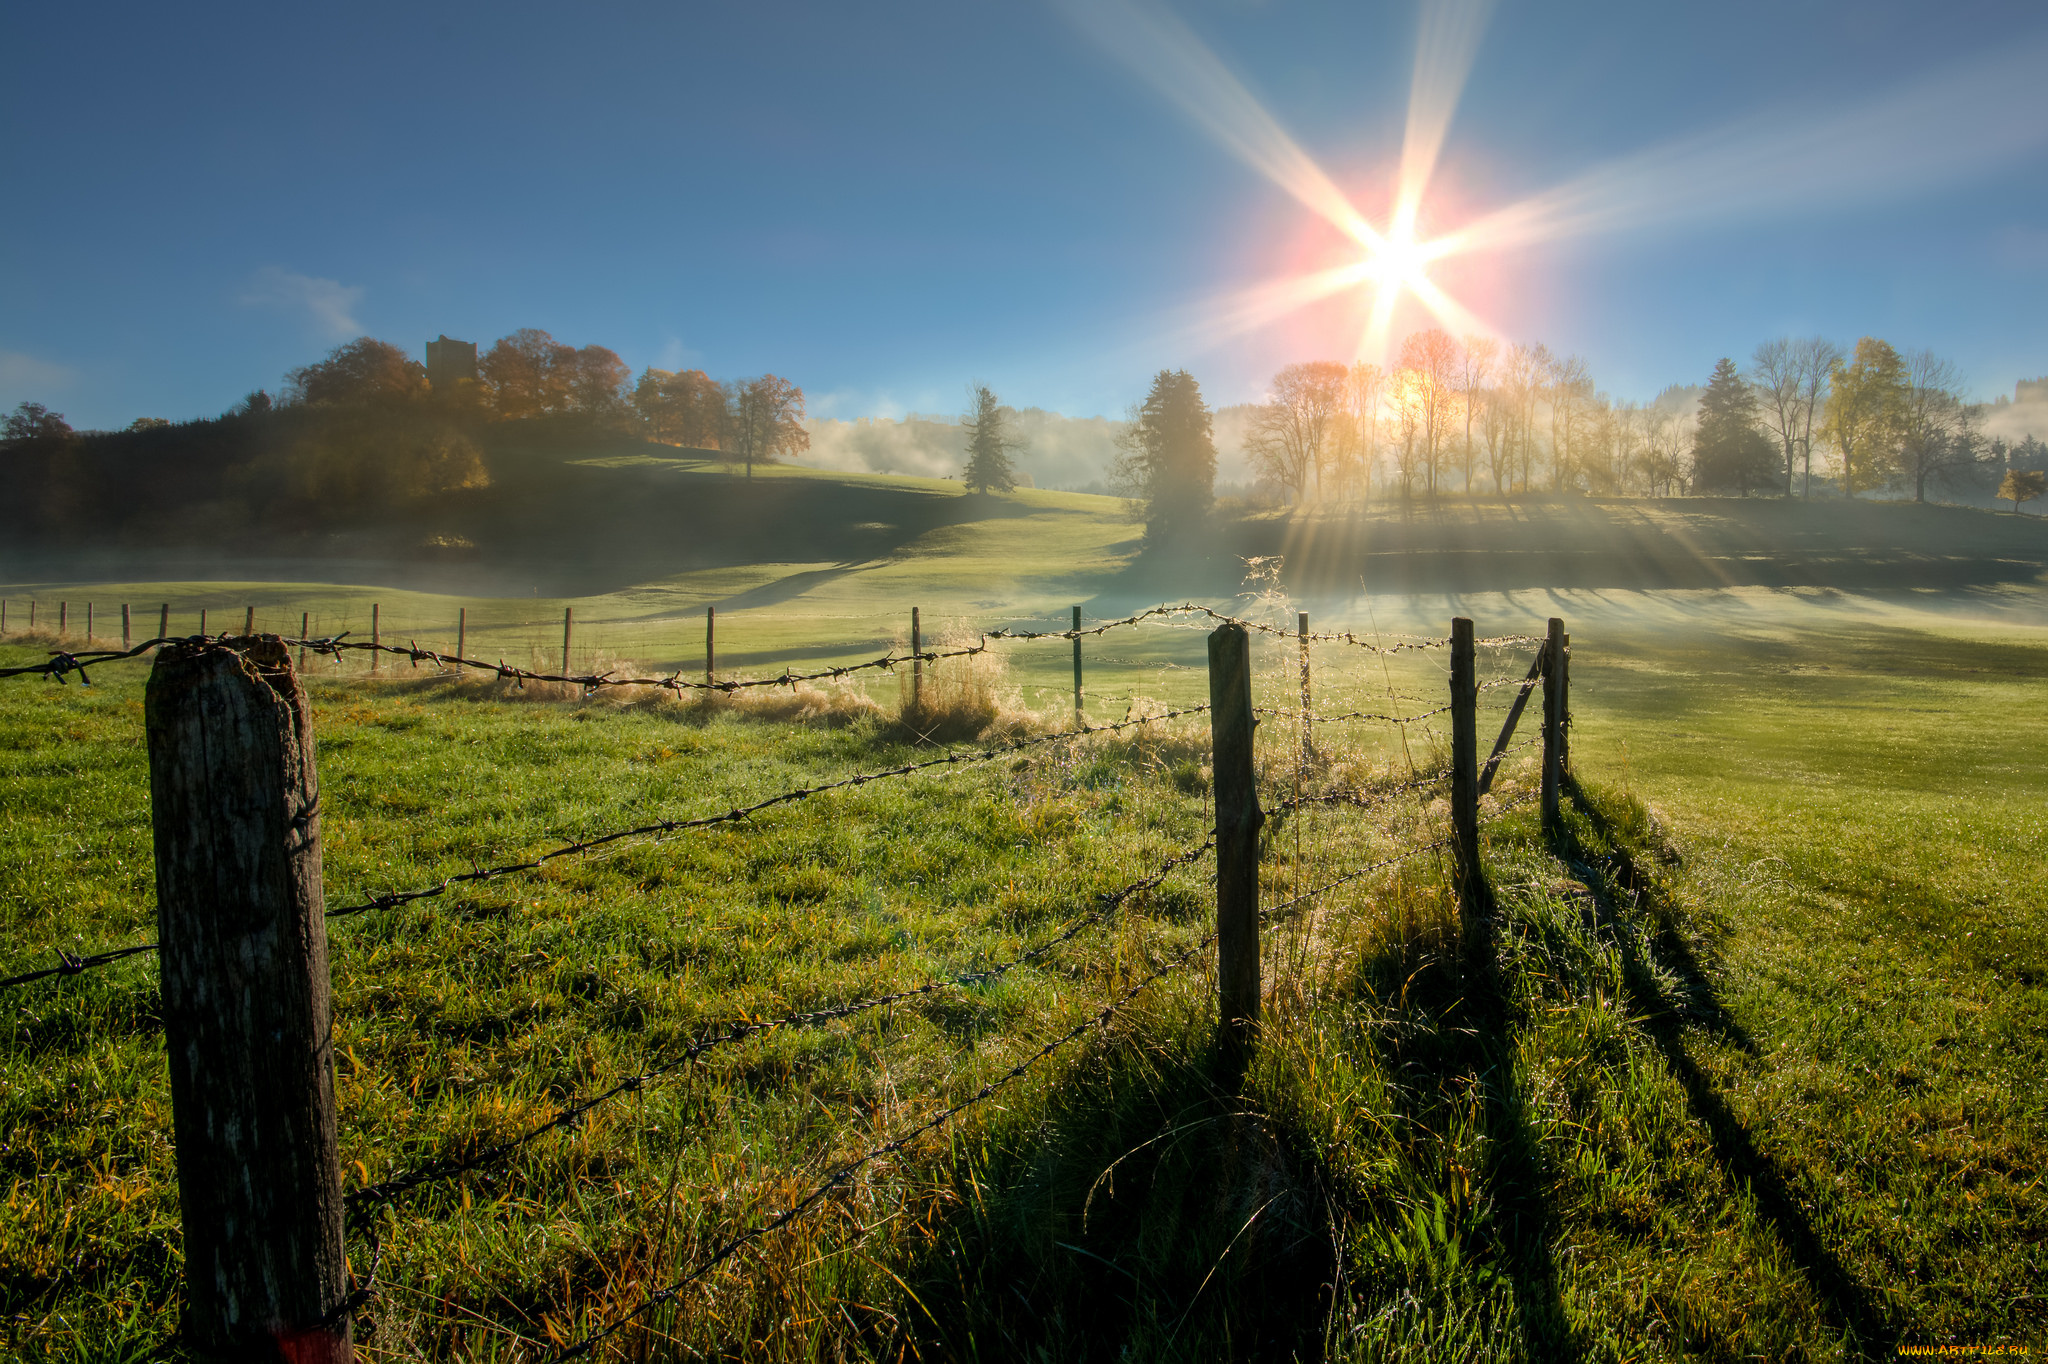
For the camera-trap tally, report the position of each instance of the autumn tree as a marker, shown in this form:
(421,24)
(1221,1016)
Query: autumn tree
(357,373)
(989,443)
(1866,403)
(1297,431)
(594,385)
(527,374)
(681,407)
(1728,448)
(2022,485)
(764,419)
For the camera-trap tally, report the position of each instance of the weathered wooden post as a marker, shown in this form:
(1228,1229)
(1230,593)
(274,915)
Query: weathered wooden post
(376,635)
(710,645)
(916,661)
(202,621)
(1238,818)
(568,623)
(249,622)
(88,622)
(127,635)
(1553,722)
(1308,734)
(305,633)
(234,801)
(1467,877)
(31,615)
(163,621)
(461,631)
(63,618)
(1078,721)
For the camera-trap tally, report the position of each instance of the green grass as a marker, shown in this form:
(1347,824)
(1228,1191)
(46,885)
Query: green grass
(1749,1063)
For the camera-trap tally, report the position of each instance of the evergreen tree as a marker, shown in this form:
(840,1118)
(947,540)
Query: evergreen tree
(989,444)
(1729,449)
(1169,457)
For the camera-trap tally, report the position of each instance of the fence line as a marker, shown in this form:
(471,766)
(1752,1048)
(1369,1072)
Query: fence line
(70,965)
(386,1190)
(1234,840)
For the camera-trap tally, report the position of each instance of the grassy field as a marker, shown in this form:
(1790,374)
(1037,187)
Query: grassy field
(1750,1063)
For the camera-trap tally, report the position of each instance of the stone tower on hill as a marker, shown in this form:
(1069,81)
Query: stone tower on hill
(450,362)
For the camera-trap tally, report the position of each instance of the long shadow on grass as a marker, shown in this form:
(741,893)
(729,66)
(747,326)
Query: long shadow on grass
(1142,1210)
(1457,1035)
(1611,873)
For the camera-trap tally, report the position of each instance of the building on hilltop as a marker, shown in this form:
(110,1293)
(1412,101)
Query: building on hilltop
(450,362)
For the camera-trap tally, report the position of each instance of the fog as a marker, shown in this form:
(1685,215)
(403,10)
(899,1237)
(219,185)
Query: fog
(1056,451)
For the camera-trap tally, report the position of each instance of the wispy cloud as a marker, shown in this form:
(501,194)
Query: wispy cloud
(328,304)
(24,373)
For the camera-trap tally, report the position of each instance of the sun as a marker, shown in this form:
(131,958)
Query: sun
(1398,262)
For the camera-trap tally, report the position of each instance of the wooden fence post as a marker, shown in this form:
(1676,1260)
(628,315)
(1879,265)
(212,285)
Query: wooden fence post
(234,802)
(305,633)
(202,621)
(163,621)
(31,615)
(376,635)
(1553,722)
(1564,709)
(1308,740)
(916,661)
(710,645)
(88,622)
(249,622)
(568,623)
(1238,818)
(1078,721)
(461,631)
(63,618)
(127,639)
(1468,878)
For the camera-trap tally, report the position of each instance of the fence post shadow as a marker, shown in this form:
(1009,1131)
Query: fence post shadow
(1610,874)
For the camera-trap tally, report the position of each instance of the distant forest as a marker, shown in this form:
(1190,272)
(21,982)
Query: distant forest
(363,431)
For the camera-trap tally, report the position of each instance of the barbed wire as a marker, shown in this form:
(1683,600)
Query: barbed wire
(1106,904)
(1097,1020)
(1288,713)
(69,965)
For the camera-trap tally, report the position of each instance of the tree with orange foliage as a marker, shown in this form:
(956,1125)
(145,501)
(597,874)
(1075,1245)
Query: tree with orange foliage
(764,418)
(682,407)
(359,372)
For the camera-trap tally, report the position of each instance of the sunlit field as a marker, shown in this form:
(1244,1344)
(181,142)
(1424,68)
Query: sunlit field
(1749,1063)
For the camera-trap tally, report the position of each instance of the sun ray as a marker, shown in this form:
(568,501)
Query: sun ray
(1447,42)
(1160,49)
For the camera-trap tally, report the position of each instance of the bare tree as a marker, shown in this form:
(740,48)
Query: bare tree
(1496,427)
(1775,377)
(1359,446)
(1432,357)
(1571,398)
(1937,438)
(1474,369)
(1522,380)
(1295,434)
(1405,400)
(1817,359)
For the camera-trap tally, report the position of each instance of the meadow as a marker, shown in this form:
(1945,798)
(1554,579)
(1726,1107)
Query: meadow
(1748,1062)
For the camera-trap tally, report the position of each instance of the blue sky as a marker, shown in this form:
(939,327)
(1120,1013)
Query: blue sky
(885,202)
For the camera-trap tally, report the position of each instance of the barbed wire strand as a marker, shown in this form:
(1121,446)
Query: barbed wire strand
(387,1190)
(69,965)
(1097,1020)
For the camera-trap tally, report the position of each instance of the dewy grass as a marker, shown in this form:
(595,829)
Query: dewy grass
(1747,1062)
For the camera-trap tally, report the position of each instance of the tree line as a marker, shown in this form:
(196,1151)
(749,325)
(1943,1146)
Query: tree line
(1473,416)
(363,430)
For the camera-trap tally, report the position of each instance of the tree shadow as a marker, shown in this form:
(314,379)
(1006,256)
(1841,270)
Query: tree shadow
(1611,873)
